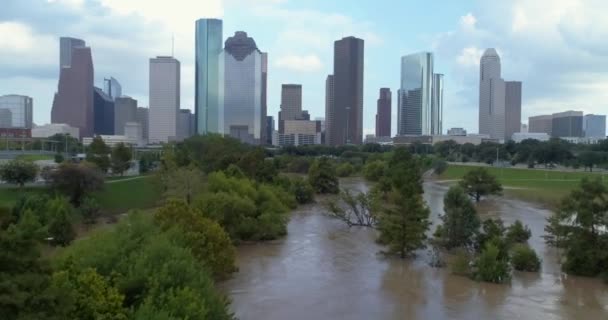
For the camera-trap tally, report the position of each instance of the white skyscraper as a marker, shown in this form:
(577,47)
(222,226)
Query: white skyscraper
(499,101)
(164,99)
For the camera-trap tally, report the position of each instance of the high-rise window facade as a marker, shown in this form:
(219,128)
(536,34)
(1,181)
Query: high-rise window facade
(329,108)
(103,107)
(594,126)
(208,42)
(242,89)
(383,113)
(112,88)
(499,100)
(420,97)
(164,99)
(125,110)
(347,119)
(16,111)
(73,102)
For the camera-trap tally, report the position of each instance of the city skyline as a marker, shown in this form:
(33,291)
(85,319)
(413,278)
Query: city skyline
(457,36)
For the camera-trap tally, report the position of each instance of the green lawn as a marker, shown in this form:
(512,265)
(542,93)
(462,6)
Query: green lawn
(121,196)
(117,196)
(35,157)
(538,185)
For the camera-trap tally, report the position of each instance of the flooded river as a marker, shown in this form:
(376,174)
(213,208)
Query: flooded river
(324,270)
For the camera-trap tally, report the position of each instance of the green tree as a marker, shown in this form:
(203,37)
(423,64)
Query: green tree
(90,210)
(523,258)
(121,158)
(590,159)
(490,266)
(480,183)
(322,176)
(159,278)
(577,227)
(439,166)
(403,222)
(374,170)
(25,279)
(18,172)
(460,221)
(345,169)
(77,181)
(208,241)
(59,158)
(60,228)
(184,183)
(98,153)
(90,295)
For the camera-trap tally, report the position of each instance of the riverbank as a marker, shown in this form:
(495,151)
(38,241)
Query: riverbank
(540,186)
(325,270)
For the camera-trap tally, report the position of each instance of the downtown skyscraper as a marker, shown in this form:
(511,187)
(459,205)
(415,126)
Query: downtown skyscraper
(344,117)
(73,101)
(164,91)
(383,113)
(499,100)
(208,47)
(243,87)
(420,97)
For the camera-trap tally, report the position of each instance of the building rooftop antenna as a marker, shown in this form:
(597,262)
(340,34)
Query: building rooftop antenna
(173,45)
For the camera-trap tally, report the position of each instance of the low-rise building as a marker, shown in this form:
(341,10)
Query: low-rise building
(457,132)
(49,130)
(111,140)
(539,136)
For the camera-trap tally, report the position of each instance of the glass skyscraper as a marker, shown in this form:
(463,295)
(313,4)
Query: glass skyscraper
(420,97)
(207,87)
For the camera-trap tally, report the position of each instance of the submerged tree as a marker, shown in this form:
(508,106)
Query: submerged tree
(460,221)
(322,176)
(353,209)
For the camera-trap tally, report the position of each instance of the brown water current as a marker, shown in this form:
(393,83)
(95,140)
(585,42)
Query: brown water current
(324,270)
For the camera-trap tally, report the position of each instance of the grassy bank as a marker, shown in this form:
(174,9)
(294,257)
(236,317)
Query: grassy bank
(543,186)
(117,196)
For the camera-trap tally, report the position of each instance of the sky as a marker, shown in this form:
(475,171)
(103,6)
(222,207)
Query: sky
(559,51)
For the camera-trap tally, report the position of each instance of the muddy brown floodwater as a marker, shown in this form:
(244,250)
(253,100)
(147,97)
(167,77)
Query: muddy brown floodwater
(324,270)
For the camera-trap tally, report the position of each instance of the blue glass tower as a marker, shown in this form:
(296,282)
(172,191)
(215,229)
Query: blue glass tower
(209,45)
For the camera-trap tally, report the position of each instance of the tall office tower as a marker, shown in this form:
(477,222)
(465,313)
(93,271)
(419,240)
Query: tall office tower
(185,124)
(383,114)
(125,110)
(164,99)
(437,105)
(291,104)
(420,97)
(242,98)
(347,121)
(66,45)
(208,39)
(329,108)
(112,88)
(540,124)
(103,107)
(594,126)
(512,108)
(567,124)
(499,101)
(263,136)
(16,111)
(143,118)
(73,101)
(269,129)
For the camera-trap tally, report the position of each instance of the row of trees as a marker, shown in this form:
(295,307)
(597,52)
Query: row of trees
(118,158)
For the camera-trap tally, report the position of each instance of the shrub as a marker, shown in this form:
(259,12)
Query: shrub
(322,176)
(460,264)
(345,169)
(518,233)
(490,266)
(302,190)
(59,158)
(523,258)
(374,170)
(439,166)
(18,172)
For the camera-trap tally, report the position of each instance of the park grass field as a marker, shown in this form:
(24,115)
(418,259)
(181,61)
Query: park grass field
(543,186)
(118,196)
(35,157)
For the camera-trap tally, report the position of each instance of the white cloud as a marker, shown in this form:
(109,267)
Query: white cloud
(468,21)
(469,57)
(306,63)
(16,37)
